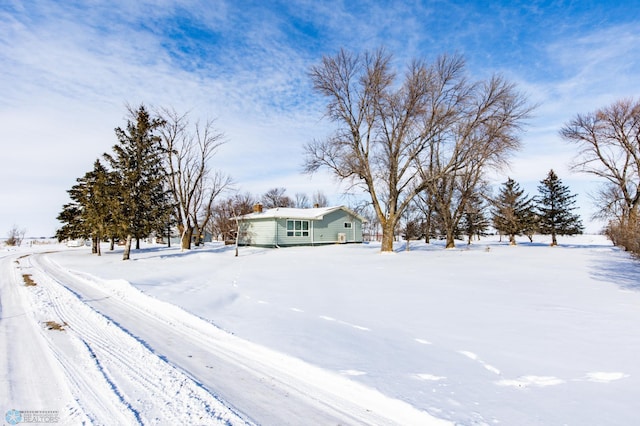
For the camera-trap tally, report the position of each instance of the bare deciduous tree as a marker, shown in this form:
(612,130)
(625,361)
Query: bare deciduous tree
(192,183)
(301,200)
(451,195)
(609,147)
(394,139)
(222,223)
(276,197)
(320,200)
(484,134)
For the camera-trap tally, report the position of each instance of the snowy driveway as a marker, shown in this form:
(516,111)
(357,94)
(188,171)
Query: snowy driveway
(125,358)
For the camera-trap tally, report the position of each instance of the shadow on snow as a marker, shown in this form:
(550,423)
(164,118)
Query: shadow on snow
(624,271)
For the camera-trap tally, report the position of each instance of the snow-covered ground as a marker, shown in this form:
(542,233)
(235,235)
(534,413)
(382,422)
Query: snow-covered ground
(486,334)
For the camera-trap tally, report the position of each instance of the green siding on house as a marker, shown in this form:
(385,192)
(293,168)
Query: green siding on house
(258,233)
(273,231)
(327,230)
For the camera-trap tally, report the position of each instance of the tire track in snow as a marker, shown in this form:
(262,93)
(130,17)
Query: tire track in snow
(113,386)
(119,376)
(265,385)
(30,374)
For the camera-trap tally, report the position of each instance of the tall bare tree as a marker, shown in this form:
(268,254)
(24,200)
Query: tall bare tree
(483,137)
(301,201)
(193,184)
(608,143)
(395,138)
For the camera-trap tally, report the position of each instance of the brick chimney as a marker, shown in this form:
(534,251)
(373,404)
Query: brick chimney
(257,208)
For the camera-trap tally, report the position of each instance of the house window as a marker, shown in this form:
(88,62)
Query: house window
(297,228)
(347,225)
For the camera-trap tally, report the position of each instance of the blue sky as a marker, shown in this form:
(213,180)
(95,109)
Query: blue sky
(67,70)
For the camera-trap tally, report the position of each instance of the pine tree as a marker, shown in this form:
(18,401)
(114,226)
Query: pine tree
(555,206)
(474,222)
(137,161)
(101,203)
(73,224)
(513,211)
(91,212)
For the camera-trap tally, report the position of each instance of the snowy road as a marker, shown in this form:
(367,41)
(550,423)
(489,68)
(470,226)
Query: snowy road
(125,358)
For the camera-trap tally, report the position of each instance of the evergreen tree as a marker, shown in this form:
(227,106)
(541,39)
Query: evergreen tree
(90,214)
(555,206)
(73,224)
(513,211)
(100,203)
(137,161)
(474,221)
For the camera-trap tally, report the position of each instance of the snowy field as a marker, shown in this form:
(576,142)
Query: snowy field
(340,334)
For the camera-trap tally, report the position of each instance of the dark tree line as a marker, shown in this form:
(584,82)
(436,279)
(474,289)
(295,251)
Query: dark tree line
(510,212)
(549,213)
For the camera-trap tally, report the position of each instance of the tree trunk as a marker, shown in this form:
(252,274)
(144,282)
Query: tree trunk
(137,243)
(94,245)
(127,248)
(187,234)
(197,232)
(427,231)
(554,241)
(451,243)
(98,250)
(512,239)
(237,237)
(387,235)
(112,243)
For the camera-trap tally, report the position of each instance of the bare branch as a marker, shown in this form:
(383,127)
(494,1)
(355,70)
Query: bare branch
(395,139)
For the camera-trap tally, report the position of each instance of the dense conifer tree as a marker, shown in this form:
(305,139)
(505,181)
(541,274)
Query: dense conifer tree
(91,214)
(513,211)
(137,160)
(72,223)
(555,206)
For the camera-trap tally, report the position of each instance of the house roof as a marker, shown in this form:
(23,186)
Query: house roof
(291,213)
